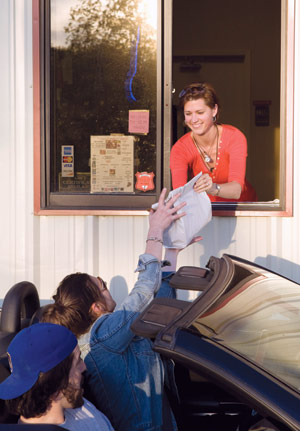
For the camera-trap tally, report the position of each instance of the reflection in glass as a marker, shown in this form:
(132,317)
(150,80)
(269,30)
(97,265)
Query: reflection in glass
(103,64)
(261,321)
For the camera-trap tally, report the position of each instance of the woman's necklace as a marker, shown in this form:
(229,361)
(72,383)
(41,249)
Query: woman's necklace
(206,156)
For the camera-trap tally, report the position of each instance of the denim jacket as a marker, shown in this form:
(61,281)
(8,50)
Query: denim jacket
(124,375)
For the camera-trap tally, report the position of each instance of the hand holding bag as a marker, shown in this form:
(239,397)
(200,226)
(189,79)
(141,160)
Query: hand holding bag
(198,213)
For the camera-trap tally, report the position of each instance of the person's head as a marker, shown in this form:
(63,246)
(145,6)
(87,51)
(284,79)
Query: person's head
(79,300)
(200,106)
(200,90)
(45,367)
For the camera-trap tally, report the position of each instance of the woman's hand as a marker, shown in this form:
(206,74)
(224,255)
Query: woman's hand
(204,184)
(230,190)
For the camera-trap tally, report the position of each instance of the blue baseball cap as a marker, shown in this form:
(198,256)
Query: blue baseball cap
(35,349)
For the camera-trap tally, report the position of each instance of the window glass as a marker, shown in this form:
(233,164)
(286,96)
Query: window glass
(103,97)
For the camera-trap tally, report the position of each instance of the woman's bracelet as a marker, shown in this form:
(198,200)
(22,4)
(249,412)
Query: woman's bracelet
(154,238)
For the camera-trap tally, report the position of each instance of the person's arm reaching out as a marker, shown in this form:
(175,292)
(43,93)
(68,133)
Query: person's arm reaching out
(159,220)
(117,324)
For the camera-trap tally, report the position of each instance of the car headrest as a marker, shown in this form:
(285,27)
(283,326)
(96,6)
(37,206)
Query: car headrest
(191,278)
(157,315)
(22,300)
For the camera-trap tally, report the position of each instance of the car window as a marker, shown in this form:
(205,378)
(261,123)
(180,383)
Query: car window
(209,405)
(260,320)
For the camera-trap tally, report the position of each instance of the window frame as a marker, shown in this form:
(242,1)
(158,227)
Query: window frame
(91,204)
(45,201)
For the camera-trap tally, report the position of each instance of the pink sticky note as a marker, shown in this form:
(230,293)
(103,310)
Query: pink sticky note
(138,121)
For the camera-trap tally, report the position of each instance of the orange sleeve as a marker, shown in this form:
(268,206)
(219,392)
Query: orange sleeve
(179,165)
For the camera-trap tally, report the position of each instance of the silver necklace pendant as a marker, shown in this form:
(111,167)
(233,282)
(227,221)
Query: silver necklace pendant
(207,159)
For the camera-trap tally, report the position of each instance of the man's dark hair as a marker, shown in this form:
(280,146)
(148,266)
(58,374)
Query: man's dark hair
(73,300)
(37,400)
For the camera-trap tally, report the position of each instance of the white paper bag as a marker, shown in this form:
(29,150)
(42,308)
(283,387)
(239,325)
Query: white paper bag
(198,213)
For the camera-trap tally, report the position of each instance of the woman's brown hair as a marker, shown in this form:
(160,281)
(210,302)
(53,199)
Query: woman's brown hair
(199,90)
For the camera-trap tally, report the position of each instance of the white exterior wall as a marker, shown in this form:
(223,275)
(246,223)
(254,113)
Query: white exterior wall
(43,249)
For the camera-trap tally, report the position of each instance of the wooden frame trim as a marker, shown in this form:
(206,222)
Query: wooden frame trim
(289,105)
(287,93)
(36,105)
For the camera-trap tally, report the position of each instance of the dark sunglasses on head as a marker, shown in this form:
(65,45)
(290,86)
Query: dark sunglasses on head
(193,89)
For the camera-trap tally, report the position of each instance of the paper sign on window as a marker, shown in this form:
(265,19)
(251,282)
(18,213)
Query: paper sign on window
(112,164)
(138,121)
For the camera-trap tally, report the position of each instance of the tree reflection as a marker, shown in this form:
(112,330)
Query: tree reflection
(88,80)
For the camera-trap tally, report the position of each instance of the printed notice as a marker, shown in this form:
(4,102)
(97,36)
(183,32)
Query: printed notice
(138,121)
(112,164)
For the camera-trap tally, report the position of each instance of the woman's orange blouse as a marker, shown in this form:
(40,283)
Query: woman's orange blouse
(186,162)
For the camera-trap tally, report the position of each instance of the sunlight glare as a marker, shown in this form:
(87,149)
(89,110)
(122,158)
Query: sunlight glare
(148,8)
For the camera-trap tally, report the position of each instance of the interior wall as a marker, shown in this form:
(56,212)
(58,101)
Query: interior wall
(244,27)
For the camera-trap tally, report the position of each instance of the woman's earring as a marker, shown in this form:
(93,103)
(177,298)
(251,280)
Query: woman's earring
(214,118)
